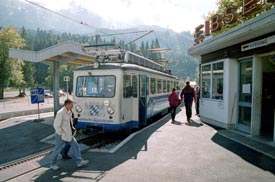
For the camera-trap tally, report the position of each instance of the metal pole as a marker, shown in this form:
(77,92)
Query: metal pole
(38,110)
(56,86)
(274,128)
(67,89)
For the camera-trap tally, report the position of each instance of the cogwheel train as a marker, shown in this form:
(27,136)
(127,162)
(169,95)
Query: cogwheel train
(120,91)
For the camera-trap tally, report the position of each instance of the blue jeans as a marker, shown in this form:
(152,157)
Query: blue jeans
(58,146)
(66,148)
(173,110)
(188,107)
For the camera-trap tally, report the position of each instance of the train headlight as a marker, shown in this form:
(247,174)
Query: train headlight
(78,109)
(106,103)
(110,111)
(96,65)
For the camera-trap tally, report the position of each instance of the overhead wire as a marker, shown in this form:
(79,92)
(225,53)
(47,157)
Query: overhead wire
(96,29)
(64,16)
(86,24)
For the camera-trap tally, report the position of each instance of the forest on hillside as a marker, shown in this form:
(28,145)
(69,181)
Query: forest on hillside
(40,74)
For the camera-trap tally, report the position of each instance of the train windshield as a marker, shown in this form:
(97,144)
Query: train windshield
(95,86)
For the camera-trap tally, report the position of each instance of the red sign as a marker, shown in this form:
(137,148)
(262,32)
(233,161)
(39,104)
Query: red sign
(230,16)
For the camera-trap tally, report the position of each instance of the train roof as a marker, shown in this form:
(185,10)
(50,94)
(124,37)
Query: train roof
(123,66)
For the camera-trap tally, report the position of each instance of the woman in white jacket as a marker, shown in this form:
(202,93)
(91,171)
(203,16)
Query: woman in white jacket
(64,134)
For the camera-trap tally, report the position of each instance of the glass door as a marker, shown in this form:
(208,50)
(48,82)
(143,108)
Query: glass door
(245,95)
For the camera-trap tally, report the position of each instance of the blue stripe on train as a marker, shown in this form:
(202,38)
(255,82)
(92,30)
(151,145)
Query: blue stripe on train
(157,104)
(108,127)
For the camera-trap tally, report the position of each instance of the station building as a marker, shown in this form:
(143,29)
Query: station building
(237,77)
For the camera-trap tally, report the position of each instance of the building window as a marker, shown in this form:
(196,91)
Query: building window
(212,81)
(206,80)
(217,81)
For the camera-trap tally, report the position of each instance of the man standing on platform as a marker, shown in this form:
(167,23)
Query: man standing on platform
(64,133)
(197,101)
(187,94)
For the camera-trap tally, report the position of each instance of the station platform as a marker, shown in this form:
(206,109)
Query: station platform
(161,152)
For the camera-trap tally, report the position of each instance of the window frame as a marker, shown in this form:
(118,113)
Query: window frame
(211,77)
(94,96)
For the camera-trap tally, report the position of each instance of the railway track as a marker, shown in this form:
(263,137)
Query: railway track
(95,140)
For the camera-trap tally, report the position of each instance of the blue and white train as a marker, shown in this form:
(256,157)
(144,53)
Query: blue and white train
(121,91)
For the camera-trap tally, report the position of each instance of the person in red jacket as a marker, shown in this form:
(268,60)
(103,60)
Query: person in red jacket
(173,102)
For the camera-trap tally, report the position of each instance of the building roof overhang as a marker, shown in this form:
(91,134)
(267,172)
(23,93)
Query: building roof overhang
(67,52)
(258,26)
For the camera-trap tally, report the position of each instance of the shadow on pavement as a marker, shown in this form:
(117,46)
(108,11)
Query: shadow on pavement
(194,124)
(23,139)
(253,157)
(177,122)
(102,162)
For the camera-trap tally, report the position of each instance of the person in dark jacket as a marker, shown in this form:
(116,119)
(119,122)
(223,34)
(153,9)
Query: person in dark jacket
(197,103)
(174,101)
(187,94)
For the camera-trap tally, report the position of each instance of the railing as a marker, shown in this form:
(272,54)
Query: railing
(142,61)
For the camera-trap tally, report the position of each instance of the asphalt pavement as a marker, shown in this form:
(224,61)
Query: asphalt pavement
(166,152)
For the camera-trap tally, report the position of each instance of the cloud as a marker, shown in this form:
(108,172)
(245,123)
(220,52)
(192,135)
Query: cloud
(179,15)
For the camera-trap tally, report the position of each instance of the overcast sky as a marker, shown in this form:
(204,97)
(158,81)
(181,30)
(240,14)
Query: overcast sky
(178,15)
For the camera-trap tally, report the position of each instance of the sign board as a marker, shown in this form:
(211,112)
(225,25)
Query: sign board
(259,43)
(37,95)
(66,78)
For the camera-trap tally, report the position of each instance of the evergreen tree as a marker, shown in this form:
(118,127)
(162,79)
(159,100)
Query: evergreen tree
(142,49)
(157,54)
(64,70)
(152,56)
(28,68)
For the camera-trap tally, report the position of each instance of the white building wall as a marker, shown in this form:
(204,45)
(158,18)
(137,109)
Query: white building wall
(256,96)
(232,97)
(222,113)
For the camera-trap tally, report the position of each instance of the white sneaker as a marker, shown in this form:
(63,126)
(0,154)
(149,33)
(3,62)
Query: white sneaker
(54,167)
(82,163)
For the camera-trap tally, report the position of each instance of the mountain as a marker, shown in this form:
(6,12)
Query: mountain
(19,14)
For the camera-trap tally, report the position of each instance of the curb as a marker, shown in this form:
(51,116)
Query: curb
(247,145)
(8,115)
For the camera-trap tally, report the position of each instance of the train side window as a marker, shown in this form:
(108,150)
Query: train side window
(147,85)
(171,85)
(153,85)
(159,88)
(168,86)
(135,86)
(176,85)
(127,88)
(164,86)
(141,87)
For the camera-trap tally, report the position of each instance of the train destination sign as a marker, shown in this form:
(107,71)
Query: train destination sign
(230,16)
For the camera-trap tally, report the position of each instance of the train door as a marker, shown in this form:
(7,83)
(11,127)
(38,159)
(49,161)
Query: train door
(142,100)
(130,100)
(135,98)
(127,102)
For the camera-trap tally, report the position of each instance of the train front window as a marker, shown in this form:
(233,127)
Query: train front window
(95,86)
